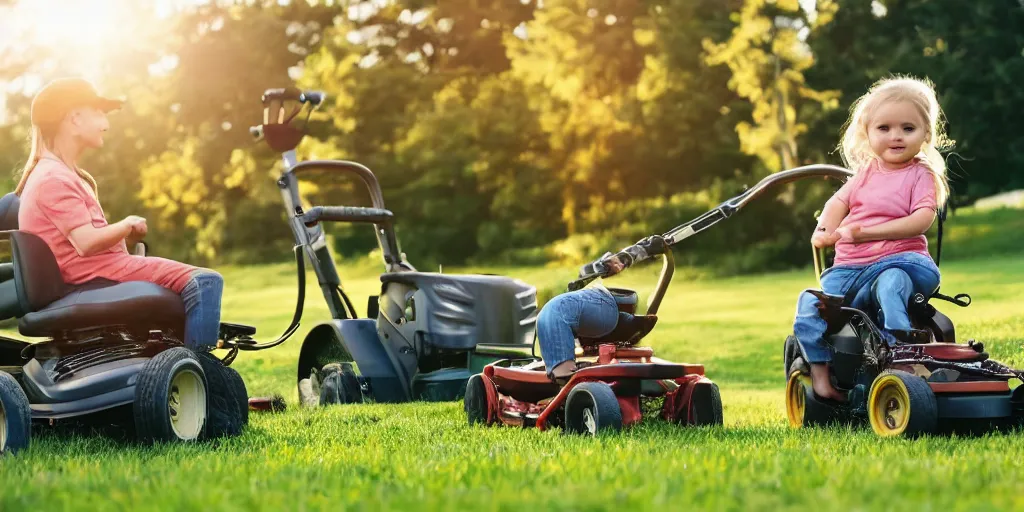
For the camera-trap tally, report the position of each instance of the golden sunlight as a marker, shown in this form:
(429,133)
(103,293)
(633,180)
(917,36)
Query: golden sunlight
(82,37)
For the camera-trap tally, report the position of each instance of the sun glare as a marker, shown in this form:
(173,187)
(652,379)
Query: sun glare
(79,35)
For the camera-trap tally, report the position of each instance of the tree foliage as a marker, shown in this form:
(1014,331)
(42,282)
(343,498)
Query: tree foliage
(522,130)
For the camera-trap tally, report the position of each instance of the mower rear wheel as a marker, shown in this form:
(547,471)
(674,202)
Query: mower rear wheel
(802,408)
(901,403)
(229,400)
(592,408)
(475,402)
(790,352)
(15,416)
(171,398)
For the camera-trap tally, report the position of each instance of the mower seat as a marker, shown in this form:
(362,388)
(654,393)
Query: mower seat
(628,331)
(47,306)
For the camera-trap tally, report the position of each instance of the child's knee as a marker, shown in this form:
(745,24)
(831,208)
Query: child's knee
(208,277)
(893,281)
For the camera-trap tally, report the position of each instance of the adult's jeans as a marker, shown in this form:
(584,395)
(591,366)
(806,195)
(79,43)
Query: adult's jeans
(588,313)
(202,295)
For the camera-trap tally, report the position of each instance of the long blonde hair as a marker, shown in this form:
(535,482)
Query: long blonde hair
(856,149)
(40,142)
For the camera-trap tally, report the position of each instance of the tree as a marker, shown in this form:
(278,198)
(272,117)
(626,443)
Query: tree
(767,56)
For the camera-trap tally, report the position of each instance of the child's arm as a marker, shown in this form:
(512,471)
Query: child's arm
(89,240)
(912,225)
(831,216)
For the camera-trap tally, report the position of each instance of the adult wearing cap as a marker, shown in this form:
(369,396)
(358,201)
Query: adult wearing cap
(59,204)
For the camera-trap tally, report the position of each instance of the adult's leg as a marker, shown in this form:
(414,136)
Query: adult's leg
(587,312)
(202,296)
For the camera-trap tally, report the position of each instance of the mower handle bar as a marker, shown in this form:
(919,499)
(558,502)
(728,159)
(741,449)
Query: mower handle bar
(720,213)
(312,98)
(731,206)
(346,214)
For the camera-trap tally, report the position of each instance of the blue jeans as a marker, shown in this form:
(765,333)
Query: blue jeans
(202,296)
(884,286)
(589,313)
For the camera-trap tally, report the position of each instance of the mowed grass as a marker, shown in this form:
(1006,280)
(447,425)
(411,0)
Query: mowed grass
(424,456)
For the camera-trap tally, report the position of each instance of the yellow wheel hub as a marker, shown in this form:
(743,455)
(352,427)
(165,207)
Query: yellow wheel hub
(889,406)
(186,405)
(796,397)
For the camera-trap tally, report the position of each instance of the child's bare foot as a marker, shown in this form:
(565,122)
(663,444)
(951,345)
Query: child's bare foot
(823,385)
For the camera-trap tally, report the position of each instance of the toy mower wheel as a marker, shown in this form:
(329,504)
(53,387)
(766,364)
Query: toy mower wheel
(592,408)
(15,416)
(475,401)
(229,400)
(171,398)
(901,403)
(802,408)
(705,405)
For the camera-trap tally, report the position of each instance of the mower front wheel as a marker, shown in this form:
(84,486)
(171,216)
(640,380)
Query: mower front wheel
(591,408)
(705,405)
(171,398)
(901,403)
(15,416)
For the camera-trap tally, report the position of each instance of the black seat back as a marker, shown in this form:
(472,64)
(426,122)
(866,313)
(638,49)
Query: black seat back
(10,306)
(37,278)
(9,212)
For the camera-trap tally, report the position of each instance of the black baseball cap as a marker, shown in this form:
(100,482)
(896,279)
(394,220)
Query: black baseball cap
(60,96)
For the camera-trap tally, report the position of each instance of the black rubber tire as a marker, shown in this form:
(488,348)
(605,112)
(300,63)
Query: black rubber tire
(153,392)
(790,352)
(706,405)
(820,414)
(15,415)
(339,385)
(228,412)
(475,400)
(591,408)
(924,409)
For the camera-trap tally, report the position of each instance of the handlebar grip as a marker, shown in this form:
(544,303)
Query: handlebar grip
(346,214)
(256,132)
(314,98)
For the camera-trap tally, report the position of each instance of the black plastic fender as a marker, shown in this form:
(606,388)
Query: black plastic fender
(354,341)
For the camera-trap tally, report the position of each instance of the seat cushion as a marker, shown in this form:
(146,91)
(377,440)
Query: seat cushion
(102,304)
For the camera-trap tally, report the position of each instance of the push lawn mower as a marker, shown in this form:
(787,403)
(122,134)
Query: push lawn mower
(932,384)
(425,333)
(616,381)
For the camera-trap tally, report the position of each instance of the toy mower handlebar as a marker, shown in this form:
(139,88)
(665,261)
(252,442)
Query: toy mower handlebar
(654,245)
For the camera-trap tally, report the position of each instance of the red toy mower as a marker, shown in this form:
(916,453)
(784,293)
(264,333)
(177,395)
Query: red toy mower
(617,382)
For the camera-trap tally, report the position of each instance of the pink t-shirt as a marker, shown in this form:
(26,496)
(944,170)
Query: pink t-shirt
(876,195)
(55,201)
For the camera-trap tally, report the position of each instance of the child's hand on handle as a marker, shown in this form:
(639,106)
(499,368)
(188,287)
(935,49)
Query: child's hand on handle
(613,266)
(138,229)
(823,239)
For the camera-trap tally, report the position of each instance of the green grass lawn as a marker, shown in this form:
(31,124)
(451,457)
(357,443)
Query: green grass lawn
(424,456)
